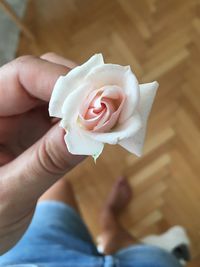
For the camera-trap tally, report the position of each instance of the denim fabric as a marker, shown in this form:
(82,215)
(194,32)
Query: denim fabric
(57,237)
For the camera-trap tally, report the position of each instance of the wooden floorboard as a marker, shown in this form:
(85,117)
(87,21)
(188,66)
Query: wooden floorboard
(161,41)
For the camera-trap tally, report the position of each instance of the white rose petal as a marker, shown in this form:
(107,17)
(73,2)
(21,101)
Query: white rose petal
(68,83)
(111,74)
(147,94)
(79,143)
(102,103)
(70,108)
(125,130)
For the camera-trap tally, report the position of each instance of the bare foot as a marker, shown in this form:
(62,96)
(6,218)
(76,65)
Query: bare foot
(113,236)
(119,197)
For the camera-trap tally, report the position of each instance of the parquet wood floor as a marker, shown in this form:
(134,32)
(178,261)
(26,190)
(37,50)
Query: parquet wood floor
(160,40)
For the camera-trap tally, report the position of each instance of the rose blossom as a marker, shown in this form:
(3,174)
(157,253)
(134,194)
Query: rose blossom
(102,103)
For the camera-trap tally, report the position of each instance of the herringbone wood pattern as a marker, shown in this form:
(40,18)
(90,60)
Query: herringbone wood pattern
(160,40)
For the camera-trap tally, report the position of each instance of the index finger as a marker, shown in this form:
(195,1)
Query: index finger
(26,81)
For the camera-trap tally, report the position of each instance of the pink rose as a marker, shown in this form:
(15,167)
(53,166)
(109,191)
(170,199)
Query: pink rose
(102,103)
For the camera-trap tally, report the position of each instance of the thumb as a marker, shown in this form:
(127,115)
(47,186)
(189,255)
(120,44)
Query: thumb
(50,158)
(27,177)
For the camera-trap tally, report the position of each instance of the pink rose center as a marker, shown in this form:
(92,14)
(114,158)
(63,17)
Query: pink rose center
(101,109)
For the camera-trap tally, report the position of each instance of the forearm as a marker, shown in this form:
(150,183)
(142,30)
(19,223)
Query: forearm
(20,190)
(22,183)
(11,233)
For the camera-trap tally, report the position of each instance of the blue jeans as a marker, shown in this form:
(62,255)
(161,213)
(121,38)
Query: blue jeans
(58,237)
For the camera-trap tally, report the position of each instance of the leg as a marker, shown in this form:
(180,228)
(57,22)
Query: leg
(113,236)
(61,191)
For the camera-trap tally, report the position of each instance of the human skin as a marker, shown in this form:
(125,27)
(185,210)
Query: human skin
(33,155)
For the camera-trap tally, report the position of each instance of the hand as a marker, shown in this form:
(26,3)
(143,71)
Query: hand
(33,155)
